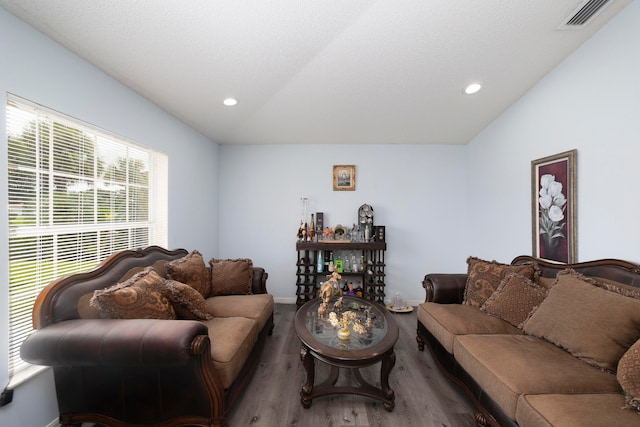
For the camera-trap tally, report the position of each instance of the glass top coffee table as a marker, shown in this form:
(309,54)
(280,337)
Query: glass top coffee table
(372,334)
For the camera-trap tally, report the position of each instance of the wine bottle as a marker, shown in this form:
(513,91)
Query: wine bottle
(331,264)
(319,262)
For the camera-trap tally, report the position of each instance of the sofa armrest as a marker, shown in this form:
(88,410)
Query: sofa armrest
(115,342)
(444,288)
(259,283)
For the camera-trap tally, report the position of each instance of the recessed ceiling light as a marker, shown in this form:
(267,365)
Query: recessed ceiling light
(472,88)
(230,102)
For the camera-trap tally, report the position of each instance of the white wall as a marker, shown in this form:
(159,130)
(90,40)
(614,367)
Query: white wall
(34,67)
(442,204)
(417,192)
(590,102)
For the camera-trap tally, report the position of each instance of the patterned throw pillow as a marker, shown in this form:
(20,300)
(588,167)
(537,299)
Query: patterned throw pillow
(231,276)
(629,375)
(592,323)
(611,285)
(484,277)
(160,267)
(515,298)
(190,270)
(187,302)
(140,297)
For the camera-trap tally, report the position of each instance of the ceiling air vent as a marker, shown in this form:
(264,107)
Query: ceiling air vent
(583,14)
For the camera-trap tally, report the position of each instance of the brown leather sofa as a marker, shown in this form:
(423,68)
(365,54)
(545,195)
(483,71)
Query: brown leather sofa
(515,378)
(147,372)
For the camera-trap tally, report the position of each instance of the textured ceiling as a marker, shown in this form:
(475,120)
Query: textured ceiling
(323,72)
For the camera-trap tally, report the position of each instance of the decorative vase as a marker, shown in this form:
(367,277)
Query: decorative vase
(344,334)
(550,249)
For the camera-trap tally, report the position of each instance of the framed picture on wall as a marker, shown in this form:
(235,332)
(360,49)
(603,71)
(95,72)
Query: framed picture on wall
(344,177)
(553,207)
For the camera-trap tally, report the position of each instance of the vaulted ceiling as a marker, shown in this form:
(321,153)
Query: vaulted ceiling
(323,71)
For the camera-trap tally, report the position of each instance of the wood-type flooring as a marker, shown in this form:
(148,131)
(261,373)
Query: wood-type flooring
(424,397)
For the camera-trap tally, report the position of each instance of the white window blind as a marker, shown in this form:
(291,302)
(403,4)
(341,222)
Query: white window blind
(76,195)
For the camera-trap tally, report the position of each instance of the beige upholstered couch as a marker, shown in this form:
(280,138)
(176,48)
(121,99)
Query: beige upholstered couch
(536,344)
(152,338)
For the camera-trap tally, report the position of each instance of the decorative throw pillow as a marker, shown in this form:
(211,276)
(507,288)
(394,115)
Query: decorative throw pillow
(140,297)
(629,375)
(231,276)
(590,322)
(613,286)
(484,277)
(514,299)
(187,302)
(190,270)
(159,266)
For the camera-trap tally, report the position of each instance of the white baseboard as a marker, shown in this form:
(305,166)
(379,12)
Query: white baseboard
(53,423)
(286,300)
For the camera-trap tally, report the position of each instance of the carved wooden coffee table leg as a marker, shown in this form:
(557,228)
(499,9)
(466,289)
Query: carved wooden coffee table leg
(308,361)
(388,362)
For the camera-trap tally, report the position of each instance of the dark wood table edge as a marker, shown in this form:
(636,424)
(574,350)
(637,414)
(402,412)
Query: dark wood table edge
(383,352)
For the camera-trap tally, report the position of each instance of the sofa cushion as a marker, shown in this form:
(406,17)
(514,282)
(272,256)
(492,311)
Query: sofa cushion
(574,410)
(232,340)
(592,323)
(258,307)
(85,309)
(186,301)
(446,321)
(484,277)
(192,271)
(546,282)
(514,299)
(143,296)
(507,366)
(231,276)
(629,375)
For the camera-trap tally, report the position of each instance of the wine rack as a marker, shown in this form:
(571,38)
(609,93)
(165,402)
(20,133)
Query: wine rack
(370,270)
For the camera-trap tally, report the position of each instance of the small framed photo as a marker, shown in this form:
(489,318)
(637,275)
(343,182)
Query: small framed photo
(344,177)
(553,207)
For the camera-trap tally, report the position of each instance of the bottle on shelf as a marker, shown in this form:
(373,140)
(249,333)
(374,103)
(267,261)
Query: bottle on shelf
(350,290)
(319,262)
(332,266)
(339,266)
(359,292)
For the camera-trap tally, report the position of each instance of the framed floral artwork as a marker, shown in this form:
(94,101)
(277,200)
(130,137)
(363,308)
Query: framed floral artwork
(553,207)
(344,177)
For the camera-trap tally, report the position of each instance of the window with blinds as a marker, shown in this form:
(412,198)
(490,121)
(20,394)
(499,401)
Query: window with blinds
(76,194)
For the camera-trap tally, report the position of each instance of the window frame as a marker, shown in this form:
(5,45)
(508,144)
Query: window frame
(121,213)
